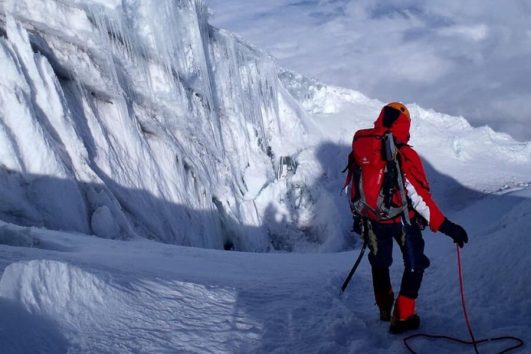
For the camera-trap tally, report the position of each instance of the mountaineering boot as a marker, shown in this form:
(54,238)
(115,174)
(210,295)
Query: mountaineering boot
(404,316)
(401,326)
(385,304)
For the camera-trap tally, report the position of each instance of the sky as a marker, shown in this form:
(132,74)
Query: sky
(465,58)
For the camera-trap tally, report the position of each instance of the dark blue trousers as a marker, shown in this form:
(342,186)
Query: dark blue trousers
(411,243)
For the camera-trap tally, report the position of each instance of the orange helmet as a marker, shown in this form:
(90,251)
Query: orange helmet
(395,117)
(399,107)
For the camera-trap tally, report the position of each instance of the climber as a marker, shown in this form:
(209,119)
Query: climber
(378,209)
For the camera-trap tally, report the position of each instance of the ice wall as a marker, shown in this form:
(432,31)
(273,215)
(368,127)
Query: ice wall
(138,119)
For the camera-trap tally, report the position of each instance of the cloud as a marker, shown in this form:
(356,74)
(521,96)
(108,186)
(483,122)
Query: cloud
(474,33)
(464,58)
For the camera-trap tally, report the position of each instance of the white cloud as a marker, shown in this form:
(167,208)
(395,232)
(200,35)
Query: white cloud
(469,58)
(474,33)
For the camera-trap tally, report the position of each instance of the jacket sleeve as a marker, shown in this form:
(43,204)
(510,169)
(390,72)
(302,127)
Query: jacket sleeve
(418,188)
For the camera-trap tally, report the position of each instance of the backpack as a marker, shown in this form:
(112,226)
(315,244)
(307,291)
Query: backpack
(374,176)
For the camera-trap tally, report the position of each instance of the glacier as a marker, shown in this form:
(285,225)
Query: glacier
(131,130)
(127,119)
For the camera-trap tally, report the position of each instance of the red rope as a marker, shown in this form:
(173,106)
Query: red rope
(520,342)
(461,286)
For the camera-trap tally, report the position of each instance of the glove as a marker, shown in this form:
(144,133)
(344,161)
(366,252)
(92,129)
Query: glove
(356,224)
(420,222)
(456,232)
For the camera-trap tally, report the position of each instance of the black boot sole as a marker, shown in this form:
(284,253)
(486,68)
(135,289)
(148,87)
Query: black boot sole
(412,323)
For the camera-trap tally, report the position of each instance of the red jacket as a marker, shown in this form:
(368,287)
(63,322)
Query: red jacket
(415,180)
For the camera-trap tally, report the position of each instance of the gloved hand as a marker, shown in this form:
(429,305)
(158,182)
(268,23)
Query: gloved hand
(456,232)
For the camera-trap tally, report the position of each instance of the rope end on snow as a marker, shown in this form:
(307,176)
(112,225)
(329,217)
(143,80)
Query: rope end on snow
(474,342)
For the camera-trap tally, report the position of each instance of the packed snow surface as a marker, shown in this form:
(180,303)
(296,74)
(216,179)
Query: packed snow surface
(82,294)
(125,123)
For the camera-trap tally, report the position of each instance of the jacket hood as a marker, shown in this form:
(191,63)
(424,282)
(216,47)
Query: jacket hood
(395,121)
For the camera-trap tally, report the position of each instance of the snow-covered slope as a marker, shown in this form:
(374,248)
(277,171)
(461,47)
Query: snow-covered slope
(449,143)
(82,294)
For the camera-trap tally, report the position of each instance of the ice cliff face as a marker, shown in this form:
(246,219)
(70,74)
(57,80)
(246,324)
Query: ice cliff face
(128,118)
